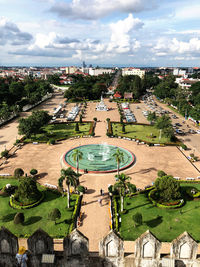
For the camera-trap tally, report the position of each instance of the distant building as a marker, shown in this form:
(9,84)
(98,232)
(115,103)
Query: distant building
(96,72)
(179,72)
(71,69)
(133,71)
(117,95)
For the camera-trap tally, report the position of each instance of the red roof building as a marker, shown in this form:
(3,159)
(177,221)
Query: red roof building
(117,95)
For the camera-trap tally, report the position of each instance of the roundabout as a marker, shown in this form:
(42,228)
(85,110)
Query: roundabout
(98,158)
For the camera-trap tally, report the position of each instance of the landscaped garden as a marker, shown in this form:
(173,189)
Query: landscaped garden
(181,212)
(57,223)
(146,133)
(60,131)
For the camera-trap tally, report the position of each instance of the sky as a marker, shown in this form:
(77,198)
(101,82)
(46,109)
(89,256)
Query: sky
(100,32)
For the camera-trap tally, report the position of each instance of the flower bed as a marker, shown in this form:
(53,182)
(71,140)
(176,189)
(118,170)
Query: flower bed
(16,205)
(168,205)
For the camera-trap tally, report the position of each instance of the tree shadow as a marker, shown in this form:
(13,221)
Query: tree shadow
(8,217)
(49,196)
(154,222)
(32,220)
(90,191)
(143,171)
(41,175)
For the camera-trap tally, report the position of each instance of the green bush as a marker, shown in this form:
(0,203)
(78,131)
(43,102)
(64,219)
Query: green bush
(115,214)
(184,146)
(137,218)
(19,218)
(161,173)
(18,173)
(16,205)
(33,171)
(54,215)
(51,141)
(5,153)
(75,213)
(81,189)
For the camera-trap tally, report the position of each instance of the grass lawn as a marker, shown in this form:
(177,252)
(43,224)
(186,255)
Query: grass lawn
(142,132)
(37,217)
(165,224)
(60,131)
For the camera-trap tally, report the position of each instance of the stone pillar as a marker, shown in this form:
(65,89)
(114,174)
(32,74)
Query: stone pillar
(8,248)
(39,243)
(147,250)
(76,250)
(184,249)
(111,249)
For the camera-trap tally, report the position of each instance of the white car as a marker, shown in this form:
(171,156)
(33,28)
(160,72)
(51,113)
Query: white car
(198,131)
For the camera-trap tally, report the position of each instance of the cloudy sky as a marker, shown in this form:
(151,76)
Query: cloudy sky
(100,32)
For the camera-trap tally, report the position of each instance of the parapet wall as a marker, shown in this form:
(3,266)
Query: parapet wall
(183,252)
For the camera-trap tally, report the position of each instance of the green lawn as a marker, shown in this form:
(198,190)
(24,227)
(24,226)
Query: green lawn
(37,217)
(146,133)
(165,224)
(60,131)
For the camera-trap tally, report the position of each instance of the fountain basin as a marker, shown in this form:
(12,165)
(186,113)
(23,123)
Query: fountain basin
(98,158)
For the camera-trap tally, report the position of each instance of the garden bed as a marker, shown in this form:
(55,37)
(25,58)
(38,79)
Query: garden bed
(165,224)
(37,217)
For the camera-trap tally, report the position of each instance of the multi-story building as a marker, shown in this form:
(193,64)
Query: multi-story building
(96,72)
(71,69)
(133,71)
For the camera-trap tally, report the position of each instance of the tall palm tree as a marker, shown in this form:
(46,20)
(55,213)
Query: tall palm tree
(119,157)
(71,179)
(77,156)
(122,185)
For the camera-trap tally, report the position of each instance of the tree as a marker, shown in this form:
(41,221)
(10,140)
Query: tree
(71,178)
(54,215)
(121,186)
(81,118)
(77,156)
(18,173)
(119,157)
(168,188)
(4,112)
(163,122)
(19,218)
(137,218)
(152,117)
(27,191)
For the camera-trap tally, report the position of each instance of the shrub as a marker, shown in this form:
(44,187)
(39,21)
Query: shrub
(137,218)
(52,141)
(81,189)
(18,172)
(161,173)
(184,146)
(33,172)
(95,119)
(108,119)
(19,218)
(54,215)
(5,153)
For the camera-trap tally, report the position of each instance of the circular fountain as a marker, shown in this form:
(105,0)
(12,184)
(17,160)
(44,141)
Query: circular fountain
(98,158)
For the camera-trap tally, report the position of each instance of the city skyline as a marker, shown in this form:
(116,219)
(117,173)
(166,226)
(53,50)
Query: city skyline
(132,32)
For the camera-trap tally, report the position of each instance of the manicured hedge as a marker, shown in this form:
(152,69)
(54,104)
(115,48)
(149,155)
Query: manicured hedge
(14,204)
(109,130)
(116,221)
(180,204)
(76,212)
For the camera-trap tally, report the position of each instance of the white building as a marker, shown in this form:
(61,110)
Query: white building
(96,72)
(133,71)
(179,72)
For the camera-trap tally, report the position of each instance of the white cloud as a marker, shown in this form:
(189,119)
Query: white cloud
(10,33)
(95,9)
(188,12)
(121,32)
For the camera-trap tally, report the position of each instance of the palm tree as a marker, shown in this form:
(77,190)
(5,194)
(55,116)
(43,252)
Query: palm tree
(119,157)
(71,179)
(122,185)
(77,155)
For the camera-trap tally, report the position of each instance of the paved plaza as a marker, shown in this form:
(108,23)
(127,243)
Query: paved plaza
(46,159)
